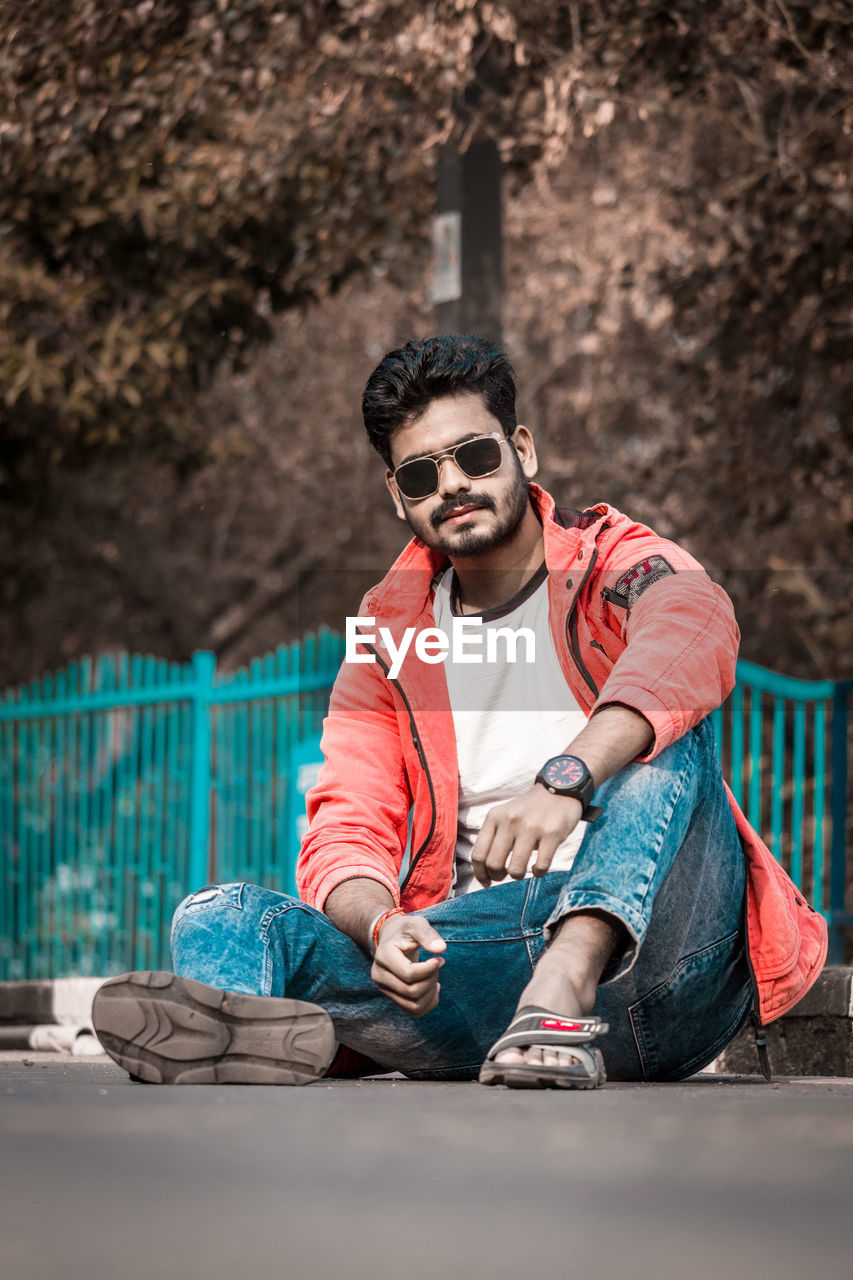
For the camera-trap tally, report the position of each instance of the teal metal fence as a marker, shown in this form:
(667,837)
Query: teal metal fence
(784,748)
(127,782)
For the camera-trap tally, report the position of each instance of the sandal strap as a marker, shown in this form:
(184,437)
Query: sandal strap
(536,1026)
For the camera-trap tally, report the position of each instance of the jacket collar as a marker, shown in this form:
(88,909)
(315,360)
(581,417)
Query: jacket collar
(406,590)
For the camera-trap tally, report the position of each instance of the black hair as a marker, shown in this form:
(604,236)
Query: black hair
(403,385)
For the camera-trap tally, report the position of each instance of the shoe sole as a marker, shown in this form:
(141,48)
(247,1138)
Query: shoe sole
(163,1029)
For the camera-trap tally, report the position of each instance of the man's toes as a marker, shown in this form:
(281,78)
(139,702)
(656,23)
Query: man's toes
(567,1057)
(556,1057)
(510,1057)
(533,1055)
(537,1055)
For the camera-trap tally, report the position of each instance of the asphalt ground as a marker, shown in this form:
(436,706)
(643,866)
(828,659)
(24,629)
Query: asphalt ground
(389,1179)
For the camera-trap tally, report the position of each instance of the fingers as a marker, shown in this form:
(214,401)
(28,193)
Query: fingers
(507,850)
(405,985)
(414,992)
(492,847)
(390,959)
(548,846)
(522,851)
(417,995)
(494,866)
(411,983)
(415,1008)
(419,929)
(512,831)
(482,846)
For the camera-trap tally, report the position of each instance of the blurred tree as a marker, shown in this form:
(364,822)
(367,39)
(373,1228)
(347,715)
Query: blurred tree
(175,172)
(172,174)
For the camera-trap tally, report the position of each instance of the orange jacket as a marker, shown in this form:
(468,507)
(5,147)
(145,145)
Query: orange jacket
(668,652)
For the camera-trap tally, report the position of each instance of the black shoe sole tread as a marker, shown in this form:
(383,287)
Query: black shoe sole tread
(164,1029)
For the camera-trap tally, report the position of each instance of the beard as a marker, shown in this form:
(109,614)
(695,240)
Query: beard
(475,542)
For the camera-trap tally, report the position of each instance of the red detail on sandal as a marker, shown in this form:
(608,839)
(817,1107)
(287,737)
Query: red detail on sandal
(554,1024)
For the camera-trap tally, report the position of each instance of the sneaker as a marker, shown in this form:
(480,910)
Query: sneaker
(163,1029)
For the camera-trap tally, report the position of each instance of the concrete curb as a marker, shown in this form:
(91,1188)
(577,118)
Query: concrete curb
(53,1015)
(48,1001)
(815,1039)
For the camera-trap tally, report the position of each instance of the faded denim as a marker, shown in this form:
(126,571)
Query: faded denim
(664,859)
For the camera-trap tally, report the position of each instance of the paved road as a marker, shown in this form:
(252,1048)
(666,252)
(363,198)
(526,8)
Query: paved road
(716,1179)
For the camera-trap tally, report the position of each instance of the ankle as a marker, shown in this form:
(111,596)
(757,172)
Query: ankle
(585,991)
(553,987)
(585,942)
(582,989)
(576,957)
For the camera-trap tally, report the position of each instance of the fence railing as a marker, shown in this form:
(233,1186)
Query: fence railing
(784,748)
(128,782)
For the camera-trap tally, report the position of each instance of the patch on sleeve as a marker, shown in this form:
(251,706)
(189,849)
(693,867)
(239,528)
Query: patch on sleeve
(635,580)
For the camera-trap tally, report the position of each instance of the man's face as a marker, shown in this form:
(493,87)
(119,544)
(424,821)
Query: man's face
(465,517)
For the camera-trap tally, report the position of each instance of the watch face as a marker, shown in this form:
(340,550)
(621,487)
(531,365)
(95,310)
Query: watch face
(564,771)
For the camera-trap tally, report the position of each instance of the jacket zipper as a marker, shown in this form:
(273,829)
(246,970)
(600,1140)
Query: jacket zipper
(572,628)
(421,756)
(574,649)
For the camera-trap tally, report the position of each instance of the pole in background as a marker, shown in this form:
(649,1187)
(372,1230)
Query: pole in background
(468,227)
(468,241)
(204,670)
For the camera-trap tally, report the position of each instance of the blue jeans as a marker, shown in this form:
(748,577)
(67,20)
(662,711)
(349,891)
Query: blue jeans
(664,859)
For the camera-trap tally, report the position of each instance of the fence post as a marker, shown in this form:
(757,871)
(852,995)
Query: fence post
(838,810)
(204,669)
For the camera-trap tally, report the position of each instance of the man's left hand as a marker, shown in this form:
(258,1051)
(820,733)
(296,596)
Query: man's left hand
(537,821)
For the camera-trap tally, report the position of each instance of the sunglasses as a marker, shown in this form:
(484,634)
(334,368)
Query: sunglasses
(477,458)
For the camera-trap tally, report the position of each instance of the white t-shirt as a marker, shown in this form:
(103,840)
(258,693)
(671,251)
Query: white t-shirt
(509,717)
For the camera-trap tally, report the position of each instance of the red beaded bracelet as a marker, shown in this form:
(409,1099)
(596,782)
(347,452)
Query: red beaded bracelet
(378,923)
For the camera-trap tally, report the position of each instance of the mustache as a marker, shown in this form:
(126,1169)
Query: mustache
(447,508)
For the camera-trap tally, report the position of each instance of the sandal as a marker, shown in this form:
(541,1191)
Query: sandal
(533,1026)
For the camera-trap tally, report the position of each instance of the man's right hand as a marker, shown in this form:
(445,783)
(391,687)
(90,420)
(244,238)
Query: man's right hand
(397,972)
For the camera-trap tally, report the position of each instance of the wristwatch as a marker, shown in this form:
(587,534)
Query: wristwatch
(569,776)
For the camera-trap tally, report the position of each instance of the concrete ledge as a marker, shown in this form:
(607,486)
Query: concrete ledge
(831,995)
(49,1016)
(814,1039)
(63,1001)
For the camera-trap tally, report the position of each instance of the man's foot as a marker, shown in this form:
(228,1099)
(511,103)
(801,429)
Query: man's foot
(550,988)
(511,1060)
(168,1030)
(561,990)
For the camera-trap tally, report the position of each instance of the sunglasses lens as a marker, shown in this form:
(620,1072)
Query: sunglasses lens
(417,479)
(479,457)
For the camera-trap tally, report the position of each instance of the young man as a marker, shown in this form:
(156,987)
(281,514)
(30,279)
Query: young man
(466,910)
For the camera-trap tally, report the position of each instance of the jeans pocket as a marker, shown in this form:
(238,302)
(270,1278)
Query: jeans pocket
(683,1023)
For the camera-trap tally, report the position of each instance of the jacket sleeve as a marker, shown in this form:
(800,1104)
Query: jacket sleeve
(680,634)
(358,809)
